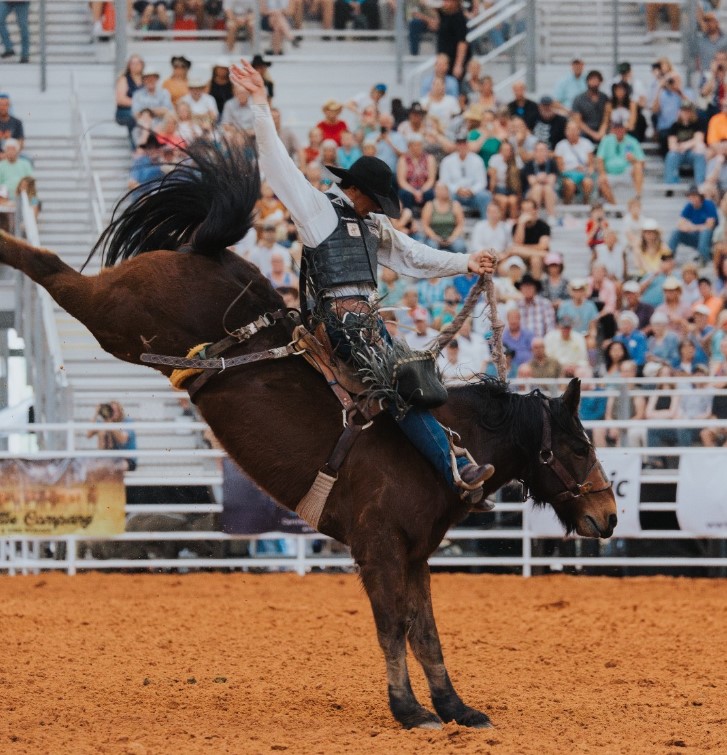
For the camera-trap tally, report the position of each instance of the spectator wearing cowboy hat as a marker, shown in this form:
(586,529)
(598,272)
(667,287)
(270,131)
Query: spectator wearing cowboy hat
(262,66)
(537,313)
(176,84)
(676,310)
(631,302)
(512,270)
(696,225)
(203,105)
(151,96)
(332,126)
(581,310)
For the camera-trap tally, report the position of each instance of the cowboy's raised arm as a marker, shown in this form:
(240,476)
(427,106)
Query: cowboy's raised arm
(310,209)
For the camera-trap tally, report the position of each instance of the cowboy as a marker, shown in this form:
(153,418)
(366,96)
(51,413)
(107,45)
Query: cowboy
(346,233)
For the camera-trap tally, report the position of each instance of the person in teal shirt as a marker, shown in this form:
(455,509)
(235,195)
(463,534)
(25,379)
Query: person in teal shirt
(620,160)
(13,169)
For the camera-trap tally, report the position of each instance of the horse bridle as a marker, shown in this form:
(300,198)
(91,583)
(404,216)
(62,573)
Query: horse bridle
(574,489)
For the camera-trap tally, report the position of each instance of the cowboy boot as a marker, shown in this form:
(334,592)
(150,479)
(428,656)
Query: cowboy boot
(471,479)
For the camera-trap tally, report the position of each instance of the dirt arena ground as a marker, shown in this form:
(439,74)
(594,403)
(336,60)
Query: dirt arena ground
(210,663)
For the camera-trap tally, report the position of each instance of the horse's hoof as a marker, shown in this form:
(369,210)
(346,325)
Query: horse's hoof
(474,719)
(429,725)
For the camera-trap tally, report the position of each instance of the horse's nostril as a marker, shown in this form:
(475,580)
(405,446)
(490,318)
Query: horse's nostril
(612,521)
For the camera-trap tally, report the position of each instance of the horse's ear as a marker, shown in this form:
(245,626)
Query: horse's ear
(572,396)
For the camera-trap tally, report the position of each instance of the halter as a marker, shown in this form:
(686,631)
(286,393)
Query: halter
(574,489)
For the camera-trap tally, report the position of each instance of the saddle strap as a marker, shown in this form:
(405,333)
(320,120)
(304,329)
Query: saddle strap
(220,363)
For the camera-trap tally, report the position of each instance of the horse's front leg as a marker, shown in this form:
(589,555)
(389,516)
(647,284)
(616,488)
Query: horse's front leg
(424,641)
(384,575)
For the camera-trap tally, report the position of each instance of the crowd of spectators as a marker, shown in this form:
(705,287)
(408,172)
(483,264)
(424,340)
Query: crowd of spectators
(16,167)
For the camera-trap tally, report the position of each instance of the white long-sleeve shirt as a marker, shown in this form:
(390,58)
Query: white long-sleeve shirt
(463,174)
(315,218)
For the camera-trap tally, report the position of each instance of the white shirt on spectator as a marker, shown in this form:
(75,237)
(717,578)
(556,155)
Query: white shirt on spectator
(484,236)
(443,110)
(260,256)
(419,342)
(612,259)
(498,164)
(463,174)
(573,155)
(203,106)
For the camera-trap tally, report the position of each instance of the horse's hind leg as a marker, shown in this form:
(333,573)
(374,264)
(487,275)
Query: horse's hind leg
(424,641)
(384,575)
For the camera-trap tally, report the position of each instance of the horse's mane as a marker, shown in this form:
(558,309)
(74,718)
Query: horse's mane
(205,203)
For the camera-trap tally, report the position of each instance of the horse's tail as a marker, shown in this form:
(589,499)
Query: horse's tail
(205,203)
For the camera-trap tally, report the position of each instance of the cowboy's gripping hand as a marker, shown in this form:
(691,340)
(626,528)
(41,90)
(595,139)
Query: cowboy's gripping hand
(482,263)
(245,76)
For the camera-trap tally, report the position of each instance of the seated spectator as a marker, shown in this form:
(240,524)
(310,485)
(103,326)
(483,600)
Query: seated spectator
(27,185)
(332,126)
(422,334)
(523,142)
(415,121)
(203,105)
(474,349)
(390,144)
(275,20)
(696,225)
(472,80)
(167,133)
(550,125)
(262,66)
(632,223)
(602,292)
(391,287)
(717,436)
(447,308)
(187,128)
(155,15)
(713,303)
(653,10)
(690,284)
(580,311)
(361,15)
(491,233)
(117,439)
(620,160)
(571,85)
(541,365)
(522,107)
(631,291)
(269,207)
(442,221)
(280,274)
(485,134)
(592,408)
(238,113)
(370,123)
(567,346)
(431,292)
(464,175)
(541,175)
(590,108)
(626,406)
(701,332)
(486,97)
(690,357)
(21,10)
(663,406)
(13,168)
(623,107)
(662,344)
(614,354)
(676,311)
(176,84)
(439,104)
(685,143)
(266,246)
(348,152)
(311,152)
(612,255)
(126,84)
(239,16)
(555,286)
(631,337)
(650,249)
(415,174)
(506,285)
(596,227)
(220,87)
(652,284)
(531,237)
(537,313)
(517,338)
(710,39)
(329,152)
(372,98)
(666,104)
(151,96)
(718,339)
(574,156)
(421,18)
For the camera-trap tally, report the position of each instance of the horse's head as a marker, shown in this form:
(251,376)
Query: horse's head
(567,473)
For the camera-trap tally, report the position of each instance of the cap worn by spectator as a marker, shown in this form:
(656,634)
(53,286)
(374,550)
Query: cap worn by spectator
(546,100)
(149,71)
(416,108)
(197,81)
(688,105)
(259,62)
(702,309)
(577,59)
(691,266)
(577,284)
(671,284)
(565,321)
(552,258)
(516,261)
(381,88)
(632,317)
(420,315)
(181,60)
(618,122)
(659,318)
(624,67)
(528,280)
(631,287)
(693,190)
(333,105)
(649,224)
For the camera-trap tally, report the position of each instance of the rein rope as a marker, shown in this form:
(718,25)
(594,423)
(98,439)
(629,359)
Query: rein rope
(486,285)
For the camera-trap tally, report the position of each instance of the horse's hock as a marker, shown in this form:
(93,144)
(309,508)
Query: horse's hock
(238,663)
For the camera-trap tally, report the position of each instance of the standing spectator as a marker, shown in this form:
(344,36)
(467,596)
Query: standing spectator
(10,126)
(522,107)
(177,84)
(541,174)
(572,85)
(566,346)
(443,221)
(621,160)
(220,86)
(451,28)
(632,303)
(580,310)
(665,105)
(531,237)
(536,312)
(550,126)
(13,168)
(555,286)
(151,96)
(239,16)
(517,338)
(332,126)
(440,71)
(416,173)
(574,156)
(491,233)
(590,107)
(696,225)
(126,84)
(685,143)
(464,174)
(504,180)
(21,9)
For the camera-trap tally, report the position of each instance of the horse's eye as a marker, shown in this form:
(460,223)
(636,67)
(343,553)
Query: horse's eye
(581,452)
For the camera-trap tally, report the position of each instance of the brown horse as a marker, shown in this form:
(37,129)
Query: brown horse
(279,421)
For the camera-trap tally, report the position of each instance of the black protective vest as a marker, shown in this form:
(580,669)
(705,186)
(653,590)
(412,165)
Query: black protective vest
(347,256)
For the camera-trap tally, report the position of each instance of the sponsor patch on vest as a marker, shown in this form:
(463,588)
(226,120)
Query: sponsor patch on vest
(353,229)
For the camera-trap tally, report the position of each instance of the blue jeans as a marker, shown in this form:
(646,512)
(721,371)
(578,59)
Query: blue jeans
(458,246)
(417,29)
(675,160)
(479,201)
(699,240)
(21,11)
(408,201)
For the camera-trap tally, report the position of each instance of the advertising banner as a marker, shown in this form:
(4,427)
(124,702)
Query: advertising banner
(701,497)
(61,497)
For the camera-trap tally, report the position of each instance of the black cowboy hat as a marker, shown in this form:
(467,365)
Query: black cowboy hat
(374,178)
(258,61)
(527,278)
(181,59)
